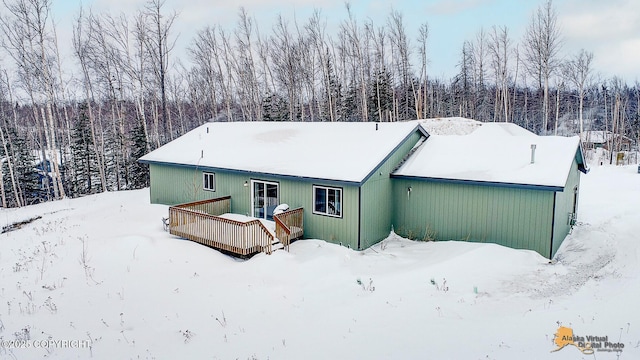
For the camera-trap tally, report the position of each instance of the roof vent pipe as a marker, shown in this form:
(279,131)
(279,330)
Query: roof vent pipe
(376,126)
(533,153)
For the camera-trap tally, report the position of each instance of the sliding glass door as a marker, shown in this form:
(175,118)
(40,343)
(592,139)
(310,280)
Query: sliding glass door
(265,197)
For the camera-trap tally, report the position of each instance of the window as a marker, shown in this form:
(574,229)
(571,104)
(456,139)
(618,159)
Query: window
(209,181)
(327,201)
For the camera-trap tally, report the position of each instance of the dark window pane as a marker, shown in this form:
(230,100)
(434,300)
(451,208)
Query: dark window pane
(338,202)
(209,181)
(334,196)
(332,201)
(271,199)
(320,200)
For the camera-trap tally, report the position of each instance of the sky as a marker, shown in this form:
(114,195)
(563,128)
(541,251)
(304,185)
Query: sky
(610,29)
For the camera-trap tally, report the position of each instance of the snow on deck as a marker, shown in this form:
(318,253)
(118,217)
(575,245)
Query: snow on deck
(333,151)
(494,152)
(268,224)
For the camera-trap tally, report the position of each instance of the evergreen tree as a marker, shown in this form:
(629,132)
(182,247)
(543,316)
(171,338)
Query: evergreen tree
(349,108)
(337,100)
(332,96)
(82,156)
(274,108)
(123,154)
(380,101)
(112,160)
(139,147)
(31,184)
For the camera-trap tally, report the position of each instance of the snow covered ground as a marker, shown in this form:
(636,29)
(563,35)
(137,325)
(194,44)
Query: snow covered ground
(98,277)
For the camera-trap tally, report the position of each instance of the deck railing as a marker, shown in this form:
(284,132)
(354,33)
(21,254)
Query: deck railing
(214,207)
(199,221)
(289,226)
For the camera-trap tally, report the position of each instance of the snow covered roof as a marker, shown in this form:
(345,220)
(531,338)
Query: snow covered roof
(449,126)
(337,151)
(494,153)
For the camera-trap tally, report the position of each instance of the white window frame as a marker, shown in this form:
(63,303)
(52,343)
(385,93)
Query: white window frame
(212,184)
(326,212)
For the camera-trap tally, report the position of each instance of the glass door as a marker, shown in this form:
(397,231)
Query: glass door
(265,197)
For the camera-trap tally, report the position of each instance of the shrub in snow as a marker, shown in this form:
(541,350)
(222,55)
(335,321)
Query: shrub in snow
(49,304)
(187,334)
(223,321)
(369,287)
(439,287)
(24,334)
(429,234)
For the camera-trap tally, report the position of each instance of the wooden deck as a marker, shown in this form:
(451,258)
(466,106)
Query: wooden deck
(202,222)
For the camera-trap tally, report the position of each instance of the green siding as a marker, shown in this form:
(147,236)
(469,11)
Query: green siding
(336,230)
(173,185)
(518,218)
(564,207)
(377,196)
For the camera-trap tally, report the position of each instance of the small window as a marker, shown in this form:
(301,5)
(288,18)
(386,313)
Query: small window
(327,201)
(209,181)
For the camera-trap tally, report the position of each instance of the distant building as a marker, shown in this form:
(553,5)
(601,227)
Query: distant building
(44,169)
(595,139)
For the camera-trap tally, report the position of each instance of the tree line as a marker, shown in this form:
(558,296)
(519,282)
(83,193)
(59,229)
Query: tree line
(77,128)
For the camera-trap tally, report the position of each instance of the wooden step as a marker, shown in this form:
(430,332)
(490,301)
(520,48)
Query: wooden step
(275,245)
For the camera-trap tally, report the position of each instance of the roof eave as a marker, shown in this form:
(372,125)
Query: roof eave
(418,128)
(479,183)
(582,165)
(256,173)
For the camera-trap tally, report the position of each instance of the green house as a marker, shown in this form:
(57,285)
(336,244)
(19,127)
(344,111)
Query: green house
(354,182)
(338,173)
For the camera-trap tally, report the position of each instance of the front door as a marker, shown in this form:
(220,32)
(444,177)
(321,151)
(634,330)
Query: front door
(265,197)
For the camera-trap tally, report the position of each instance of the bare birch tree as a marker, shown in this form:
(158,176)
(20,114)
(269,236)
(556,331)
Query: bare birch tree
(81,46)
(286,55)
(499,49)
(421,101)
(27,38)
(542,45)
(401,53)
(352,49)
(577,70)
(479,53)
(247,73)
(159,44)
